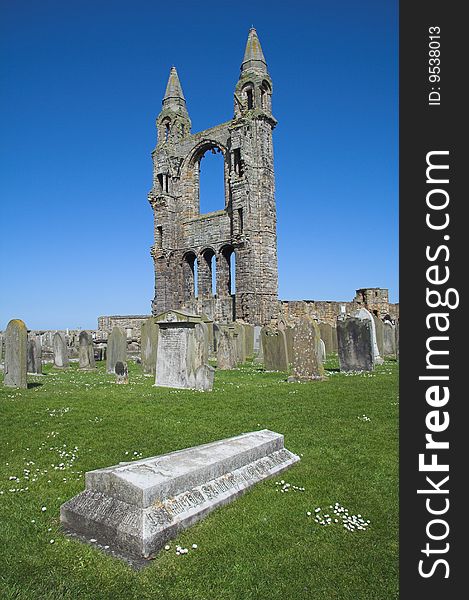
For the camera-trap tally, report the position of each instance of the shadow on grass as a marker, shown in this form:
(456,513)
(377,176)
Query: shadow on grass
(35,384)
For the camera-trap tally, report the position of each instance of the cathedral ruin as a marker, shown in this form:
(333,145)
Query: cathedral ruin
(235,246)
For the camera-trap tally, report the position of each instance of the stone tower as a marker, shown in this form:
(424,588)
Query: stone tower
(189,245)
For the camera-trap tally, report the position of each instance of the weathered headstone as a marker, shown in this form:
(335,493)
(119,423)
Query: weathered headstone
(355,339)
(257,339)
(122,372)
(116,349)
(248,340)
(149,346)
(389,339)
(306,360)
(136,507)
(85,351)
(226,349)
(362,313)
(16,354)
(182,356)
(240,340)
(287,328)
(274,347)
(379,330)
(323,353)
(335,343)
(60,349)
(34,355)
(326,336)
(397,339)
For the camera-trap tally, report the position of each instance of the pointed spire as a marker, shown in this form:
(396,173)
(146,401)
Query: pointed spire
(253,55)
(173,95)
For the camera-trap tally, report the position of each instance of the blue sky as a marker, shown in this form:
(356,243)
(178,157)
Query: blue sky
(81,86)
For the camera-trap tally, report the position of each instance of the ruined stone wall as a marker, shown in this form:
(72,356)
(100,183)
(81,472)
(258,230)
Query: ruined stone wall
(328,310)
(131,324)
(184,238)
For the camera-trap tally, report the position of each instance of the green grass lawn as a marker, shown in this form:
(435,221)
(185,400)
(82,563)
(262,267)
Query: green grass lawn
(261,546)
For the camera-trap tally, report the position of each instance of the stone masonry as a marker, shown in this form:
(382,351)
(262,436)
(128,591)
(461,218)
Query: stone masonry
(187,241)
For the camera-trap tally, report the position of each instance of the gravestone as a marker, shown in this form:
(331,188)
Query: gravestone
(136,507)
(379,329)
(60,349)
(335,343)
(355,339)
(397,339)
(362,313)
(240,341)
(323,353)
(389,339)
(274,348)
(257,339)
(16,354)
(226,349)
(86,351)
(287,328)
(182,356)
(122,372)
(149,346)
(116,349)
(248,340)
(34,355)
(306,360)
(326,336)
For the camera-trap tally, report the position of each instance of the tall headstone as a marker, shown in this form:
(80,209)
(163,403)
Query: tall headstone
(226,349)
(257,339)
(274,347)
(182,356)
(379,330)
(397,339)
(307,363)
(326,336)
(149,346)
(335,343)
(287,328)
(60,349)
(86,351)
(248,339)
(389,339)
(323,350)
(240,340)
(116,349)
(355,340)
(362,313)
(34,355)
(16,354)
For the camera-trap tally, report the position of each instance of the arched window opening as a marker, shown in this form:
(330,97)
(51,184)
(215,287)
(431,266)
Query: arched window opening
(265,95)
(233,273)
(225,271)
(166,131)
(207,273)
(249,98)
(160,180)
(211,181)
(213,269)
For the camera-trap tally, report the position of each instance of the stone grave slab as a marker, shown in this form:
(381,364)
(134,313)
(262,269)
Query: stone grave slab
(136,507)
